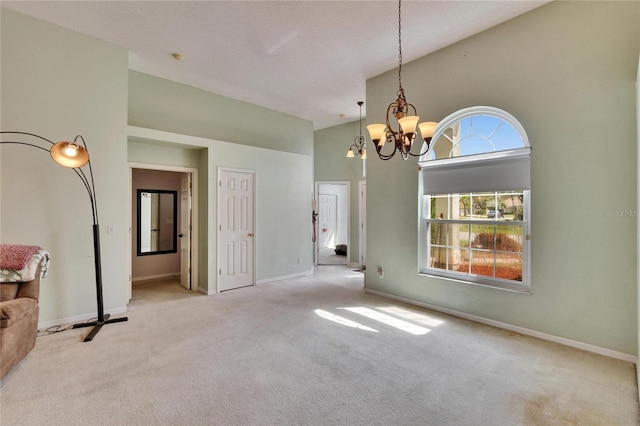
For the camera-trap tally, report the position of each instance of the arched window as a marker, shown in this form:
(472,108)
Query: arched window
(475,200)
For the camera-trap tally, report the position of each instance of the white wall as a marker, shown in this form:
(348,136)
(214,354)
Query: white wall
(57,83)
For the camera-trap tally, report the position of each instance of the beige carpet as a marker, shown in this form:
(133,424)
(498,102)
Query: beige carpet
(309,351)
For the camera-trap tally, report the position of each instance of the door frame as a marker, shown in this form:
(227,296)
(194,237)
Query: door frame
(222,169)
(194,216)
(362,221)
(316,244)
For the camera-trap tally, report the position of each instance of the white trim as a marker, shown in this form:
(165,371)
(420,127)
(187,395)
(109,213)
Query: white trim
(286,277)
(521,330)
(445,163)
(79,318)
(156,277)
(362,211)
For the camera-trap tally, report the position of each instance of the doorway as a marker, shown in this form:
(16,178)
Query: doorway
(177,263)
(332,245)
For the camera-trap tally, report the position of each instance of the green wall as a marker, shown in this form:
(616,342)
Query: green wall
(156,103)
(331,164)
(567,72)
(284,183)
(58,84)
(279,147)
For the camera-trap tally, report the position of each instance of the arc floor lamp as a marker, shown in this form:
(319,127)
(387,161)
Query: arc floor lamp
(74,156)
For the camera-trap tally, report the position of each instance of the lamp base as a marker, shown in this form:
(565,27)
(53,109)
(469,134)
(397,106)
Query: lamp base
(97,325)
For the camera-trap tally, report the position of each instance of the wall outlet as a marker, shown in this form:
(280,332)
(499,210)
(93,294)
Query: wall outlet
(111,229)
(380,272)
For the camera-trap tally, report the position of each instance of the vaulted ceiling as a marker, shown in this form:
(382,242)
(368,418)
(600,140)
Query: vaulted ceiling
(310,59)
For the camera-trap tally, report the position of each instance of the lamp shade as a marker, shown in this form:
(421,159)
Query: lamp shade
(377,133)
(427,129)
(69,154)
(349,153)
(408,124)
(364,154)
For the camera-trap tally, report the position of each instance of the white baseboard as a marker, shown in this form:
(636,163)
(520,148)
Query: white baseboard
(286,277)
(353,265)
(155,277)
(521,330)
(80,318)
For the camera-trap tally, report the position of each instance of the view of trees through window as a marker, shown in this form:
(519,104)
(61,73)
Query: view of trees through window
(474,200)
(480,234)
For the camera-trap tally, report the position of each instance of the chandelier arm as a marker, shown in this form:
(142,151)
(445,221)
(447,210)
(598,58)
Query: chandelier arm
(422,153)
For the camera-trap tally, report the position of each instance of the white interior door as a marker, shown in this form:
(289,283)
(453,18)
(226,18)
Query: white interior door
(235,229)
(328,219)
(185,231)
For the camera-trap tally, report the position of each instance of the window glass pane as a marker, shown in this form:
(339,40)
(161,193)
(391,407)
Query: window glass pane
(440,207)
(509,266)
(511,205)
(509,238)
(482,203)
(476,134)
(458,235)
(464,206)
(438,258)
(482,262)
(458,258)
(483,237)
(438,234)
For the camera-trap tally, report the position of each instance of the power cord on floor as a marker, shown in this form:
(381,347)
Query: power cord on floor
(60,328)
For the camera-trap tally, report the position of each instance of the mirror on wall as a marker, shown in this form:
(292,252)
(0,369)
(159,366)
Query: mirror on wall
(157,221)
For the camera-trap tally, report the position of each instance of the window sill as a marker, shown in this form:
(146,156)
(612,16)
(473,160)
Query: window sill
(498,285)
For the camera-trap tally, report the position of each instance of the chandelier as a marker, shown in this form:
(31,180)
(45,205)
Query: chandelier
(358,146)
(406,116)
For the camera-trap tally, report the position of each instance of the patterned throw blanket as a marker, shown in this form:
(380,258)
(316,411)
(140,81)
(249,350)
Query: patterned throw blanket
(18,263)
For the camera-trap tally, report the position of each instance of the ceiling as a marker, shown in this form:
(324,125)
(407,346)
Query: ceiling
(310,59)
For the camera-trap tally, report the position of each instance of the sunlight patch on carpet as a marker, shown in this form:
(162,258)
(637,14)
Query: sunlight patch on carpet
(389,320)
(411,315)
(341,320)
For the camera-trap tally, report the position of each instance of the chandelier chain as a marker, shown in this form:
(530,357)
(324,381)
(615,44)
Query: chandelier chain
(400,46)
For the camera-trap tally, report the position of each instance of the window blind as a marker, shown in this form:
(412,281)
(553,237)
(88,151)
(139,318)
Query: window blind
(494,171)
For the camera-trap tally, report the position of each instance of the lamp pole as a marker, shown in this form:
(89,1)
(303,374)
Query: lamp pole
(75,156)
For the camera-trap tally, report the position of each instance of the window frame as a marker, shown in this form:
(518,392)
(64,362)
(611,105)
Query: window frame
(476,160)
(425,245)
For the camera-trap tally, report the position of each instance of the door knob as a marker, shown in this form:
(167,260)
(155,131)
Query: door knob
(250,234)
